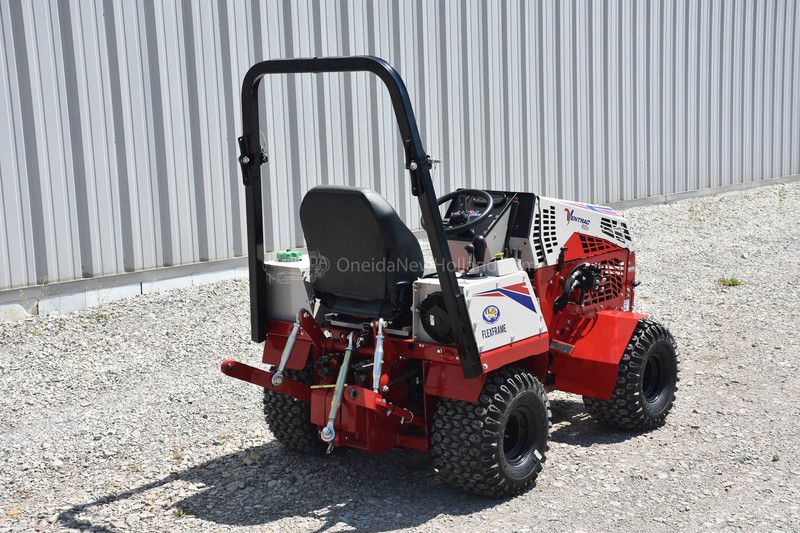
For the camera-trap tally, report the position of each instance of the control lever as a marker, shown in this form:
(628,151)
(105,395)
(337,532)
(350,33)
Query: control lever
(470,248)
(479,247)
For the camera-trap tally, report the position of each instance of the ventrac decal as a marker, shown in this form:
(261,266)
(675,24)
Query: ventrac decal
(517,292)
(572,218)
(602,209)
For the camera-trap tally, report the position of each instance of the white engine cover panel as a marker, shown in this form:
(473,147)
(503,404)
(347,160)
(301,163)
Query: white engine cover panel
(502,309)
(561,219)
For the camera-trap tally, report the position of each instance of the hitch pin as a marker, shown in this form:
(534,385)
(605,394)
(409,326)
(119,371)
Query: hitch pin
(277,379)
(376,368)
(403,419)
(328,433)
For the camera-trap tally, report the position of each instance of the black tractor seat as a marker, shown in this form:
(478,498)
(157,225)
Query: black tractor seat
(364,259)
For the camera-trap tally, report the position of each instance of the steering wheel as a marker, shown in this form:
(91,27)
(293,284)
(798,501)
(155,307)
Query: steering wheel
(464,220)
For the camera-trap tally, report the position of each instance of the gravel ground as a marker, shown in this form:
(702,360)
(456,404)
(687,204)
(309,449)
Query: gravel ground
(117,418)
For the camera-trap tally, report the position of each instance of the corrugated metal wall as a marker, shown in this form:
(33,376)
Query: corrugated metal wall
(118,120)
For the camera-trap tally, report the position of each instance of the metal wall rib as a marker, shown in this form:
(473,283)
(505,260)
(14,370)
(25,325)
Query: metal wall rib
(118,120)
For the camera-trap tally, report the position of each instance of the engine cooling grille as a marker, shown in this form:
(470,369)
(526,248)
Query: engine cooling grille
(614,272)
(615,229)
(545,226)
(594,245)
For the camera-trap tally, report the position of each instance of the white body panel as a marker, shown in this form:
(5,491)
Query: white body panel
(560,220)
(502,308)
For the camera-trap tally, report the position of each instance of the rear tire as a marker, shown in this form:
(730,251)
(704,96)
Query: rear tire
(496,446)
(289,419)
(646,381)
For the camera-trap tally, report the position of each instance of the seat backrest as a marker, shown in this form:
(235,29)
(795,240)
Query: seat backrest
(362,254)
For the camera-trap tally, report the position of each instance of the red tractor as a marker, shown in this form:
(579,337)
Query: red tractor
(367,347)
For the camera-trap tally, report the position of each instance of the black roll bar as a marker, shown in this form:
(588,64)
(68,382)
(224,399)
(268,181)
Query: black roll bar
(417,162)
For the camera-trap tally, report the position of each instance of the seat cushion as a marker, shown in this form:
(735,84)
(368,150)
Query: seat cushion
(362,254)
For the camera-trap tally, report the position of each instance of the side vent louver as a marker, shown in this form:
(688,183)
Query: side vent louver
(616,230)
(545,225)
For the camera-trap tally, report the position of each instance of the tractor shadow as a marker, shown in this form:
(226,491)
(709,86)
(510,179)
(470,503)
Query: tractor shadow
(350,488)
(573,426)
(266,483)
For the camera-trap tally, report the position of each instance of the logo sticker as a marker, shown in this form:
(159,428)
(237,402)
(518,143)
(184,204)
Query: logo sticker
(491,314)
(572,218)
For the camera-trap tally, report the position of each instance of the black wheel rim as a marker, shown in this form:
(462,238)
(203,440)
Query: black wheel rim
(519,435)
(654,377)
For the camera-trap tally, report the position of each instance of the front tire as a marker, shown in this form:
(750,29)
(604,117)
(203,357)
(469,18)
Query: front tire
(646,382)
(496,446)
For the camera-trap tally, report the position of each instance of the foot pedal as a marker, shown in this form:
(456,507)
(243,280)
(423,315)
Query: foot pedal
(562,347)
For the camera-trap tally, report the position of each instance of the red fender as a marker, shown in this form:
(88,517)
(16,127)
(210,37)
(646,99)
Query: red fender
(448,381)
(589,366)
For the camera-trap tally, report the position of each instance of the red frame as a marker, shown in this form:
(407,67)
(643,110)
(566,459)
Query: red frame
(580,354)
